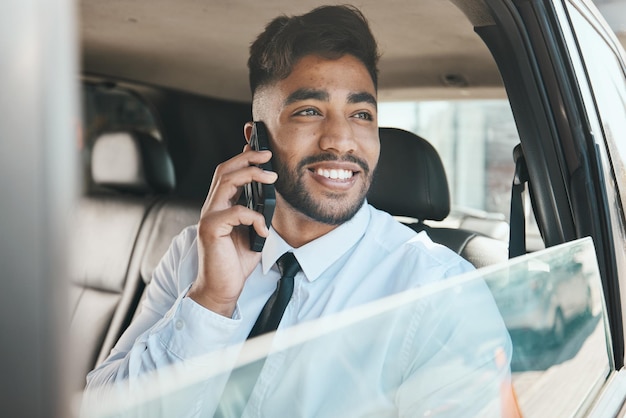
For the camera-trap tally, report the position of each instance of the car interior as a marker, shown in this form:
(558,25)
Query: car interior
(131,212)
(165,97)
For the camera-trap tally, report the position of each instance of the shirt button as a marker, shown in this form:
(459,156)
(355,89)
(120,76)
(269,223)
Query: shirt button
(179,324)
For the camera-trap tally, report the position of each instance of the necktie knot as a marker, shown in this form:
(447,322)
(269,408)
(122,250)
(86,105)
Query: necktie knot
(288,265)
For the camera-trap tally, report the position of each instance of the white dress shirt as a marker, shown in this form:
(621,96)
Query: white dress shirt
(367,258)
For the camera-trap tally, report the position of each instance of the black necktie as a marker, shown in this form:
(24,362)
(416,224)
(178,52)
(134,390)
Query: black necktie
(274,308)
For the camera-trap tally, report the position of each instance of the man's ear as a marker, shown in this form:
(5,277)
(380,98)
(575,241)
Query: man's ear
(247,131)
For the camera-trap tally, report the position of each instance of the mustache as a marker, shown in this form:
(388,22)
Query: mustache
(333,157)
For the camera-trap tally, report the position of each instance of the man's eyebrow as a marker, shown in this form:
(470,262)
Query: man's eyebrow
(306,94)
(362,97)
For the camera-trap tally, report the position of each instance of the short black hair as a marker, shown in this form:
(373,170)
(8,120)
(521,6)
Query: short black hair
(328,31)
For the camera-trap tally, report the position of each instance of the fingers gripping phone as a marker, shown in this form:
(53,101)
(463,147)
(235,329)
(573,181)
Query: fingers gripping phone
(259,196)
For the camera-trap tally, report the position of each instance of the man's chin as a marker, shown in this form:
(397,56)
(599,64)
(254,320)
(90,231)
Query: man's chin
(338,216)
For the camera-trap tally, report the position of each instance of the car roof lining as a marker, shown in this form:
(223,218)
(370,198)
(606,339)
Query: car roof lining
(425,44)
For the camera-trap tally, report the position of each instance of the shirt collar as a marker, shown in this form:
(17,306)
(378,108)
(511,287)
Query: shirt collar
(316,256)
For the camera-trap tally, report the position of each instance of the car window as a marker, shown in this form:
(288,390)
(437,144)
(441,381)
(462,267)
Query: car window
(608,81)
(475,140)
(439,350)
(609,85)
(552,305)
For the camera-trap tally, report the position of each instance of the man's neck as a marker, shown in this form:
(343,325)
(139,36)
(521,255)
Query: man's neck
(296,228)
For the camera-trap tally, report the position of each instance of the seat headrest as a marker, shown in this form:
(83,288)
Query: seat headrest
(132,161)
(410,179)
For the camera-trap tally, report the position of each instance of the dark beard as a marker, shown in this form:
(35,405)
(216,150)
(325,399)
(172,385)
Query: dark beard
(290,185)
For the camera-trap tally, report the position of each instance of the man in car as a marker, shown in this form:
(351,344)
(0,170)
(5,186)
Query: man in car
(314,85)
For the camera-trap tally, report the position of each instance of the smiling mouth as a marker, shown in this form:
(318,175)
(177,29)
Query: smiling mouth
(335,174)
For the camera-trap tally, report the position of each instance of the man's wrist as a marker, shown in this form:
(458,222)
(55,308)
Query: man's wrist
(225,307)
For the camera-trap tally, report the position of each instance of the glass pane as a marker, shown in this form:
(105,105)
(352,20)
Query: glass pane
(441,350)
(607,99)
(609,87)
(475,140)
(553,308)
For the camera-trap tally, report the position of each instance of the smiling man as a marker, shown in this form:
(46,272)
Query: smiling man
(330,112)
(314,85)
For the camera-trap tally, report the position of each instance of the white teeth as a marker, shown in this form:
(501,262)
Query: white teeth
(335,174)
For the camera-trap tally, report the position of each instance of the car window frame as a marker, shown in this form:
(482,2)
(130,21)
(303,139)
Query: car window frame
(598,140)
(570,197)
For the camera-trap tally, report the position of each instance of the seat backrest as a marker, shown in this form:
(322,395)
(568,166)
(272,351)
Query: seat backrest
(164,223)
(170,219)
(130,170)
(165,220)
(410,182)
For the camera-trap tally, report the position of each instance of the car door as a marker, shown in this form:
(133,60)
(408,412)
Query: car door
(562,149)
(564,74)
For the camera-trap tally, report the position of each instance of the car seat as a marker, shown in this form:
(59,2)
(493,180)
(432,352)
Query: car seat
(410,183)
(129,171)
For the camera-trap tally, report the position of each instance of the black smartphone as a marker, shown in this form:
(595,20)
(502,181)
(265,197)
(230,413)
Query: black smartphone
(259,196)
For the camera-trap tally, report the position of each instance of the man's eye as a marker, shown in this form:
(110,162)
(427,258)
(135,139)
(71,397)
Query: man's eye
(308,112)
(364,116)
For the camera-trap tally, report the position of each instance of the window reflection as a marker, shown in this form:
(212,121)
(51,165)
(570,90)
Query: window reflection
(552,306)
(440,351)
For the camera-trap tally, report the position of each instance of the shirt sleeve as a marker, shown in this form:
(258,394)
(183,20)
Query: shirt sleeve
(169,329)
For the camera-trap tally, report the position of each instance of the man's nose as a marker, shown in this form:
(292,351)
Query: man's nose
(337,135)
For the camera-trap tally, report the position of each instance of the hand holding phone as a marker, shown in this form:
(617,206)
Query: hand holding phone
(223,264)
(260,197)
